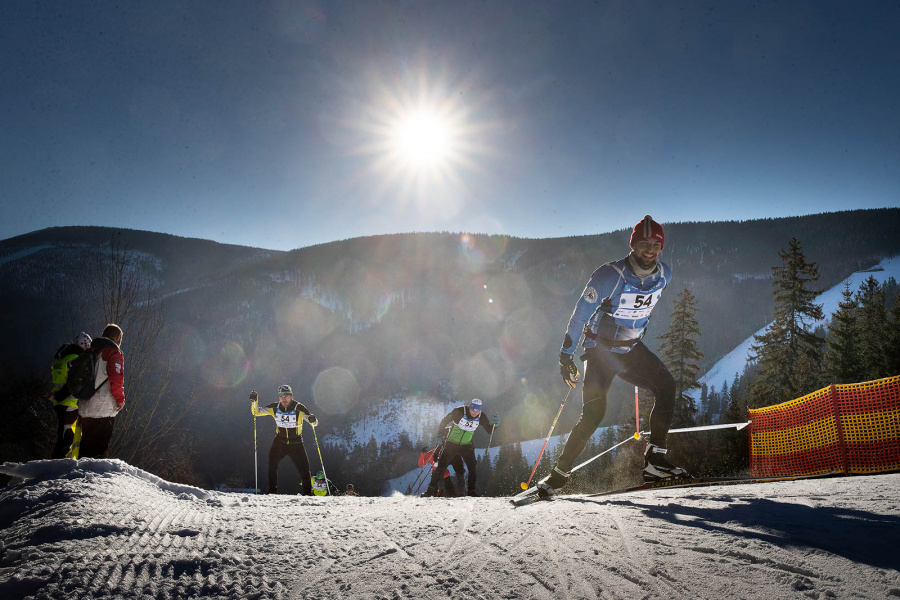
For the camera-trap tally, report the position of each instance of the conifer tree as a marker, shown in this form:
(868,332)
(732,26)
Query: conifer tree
(511,467)
(714,402)
(842,355)
(736,386)
(893,339)
(873,327)
(718,404)
(680,353)
(704,398)
(483,468)
(789,354)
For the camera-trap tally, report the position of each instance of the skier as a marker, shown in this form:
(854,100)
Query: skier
(289,416)
(462,422)
(319,485)
(427,456)
(350,490)
(612,314)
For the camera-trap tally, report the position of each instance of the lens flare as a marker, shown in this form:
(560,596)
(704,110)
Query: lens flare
(336,391)
(228,367)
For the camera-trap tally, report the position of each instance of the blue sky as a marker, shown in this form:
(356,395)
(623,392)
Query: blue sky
(278,124)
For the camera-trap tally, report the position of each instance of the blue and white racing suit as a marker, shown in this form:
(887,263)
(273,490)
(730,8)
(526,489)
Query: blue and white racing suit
(630,302)
(612,315)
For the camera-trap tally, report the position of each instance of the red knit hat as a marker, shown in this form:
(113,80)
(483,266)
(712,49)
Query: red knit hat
(647,228)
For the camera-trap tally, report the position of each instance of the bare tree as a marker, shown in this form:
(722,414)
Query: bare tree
(124,291)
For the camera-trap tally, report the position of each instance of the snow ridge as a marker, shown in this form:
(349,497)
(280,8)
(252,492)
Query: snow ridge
(115,533)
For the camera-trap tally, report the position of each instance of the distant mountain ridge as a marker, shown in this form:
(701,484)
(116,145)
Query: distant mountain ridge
(437,316)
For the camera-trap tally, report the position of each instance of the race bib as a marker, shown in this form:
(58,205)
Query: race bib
(636,306)
(286,420)
(468,424)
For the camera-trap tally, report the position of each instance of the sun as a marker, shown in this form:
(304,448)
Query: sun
(423,139)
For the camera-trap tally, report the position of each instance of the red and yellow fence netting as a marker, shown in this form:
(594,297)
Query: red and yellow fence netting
(853,427)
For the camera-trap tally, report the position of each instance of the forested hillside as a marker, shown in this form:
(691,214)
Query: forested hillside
(351,325)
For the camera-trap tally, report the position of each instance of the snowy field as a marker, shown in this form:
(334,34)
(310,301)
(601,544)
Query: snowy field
(102,529)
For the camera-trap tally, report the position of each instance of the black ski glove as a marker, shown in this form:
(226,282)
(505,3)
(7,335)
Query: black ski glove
(312,420)
(606,306)
(567,369)
(254,396)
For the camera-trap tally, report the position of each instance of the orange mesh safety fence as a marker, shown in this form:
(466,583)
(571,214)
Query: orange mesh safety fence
(851,427)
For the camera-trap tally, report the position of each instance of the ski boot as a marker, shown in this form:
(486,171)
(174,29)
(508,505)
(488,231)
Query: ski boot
(548,486)
(657,468)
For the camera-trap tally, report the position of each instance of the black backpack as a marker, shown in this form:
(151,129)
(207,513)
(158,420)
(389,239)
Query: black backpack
(83,374)
(59,370)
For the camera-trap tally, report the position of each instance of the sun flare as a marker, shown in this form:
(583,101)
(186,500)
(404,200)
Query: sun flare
(426,144)
(423,139)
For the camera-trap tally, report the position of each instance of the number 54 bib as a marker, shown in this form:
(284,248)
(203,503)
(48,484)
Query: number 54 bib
(636,305)
(286,420)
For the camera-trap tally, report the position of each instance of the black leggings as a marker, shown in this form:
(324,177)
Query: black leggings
(95,436)
(639,367)
(451,457)
(297,454)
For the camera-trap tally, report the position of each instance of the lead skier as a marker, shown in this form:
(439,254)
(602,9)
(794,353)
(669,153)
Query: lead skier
(612,315)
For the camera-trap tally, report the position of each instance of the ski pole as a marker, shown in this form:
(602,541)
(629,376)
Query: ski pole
(637,416)
(321,462)
(638,435)
(525,484)
(494,421)
(590,460)
(255,458)
(417,484)
(435,459)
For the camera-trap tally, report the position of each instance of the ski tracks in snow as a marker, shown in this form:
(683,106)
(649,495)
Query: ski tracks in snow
(114,535)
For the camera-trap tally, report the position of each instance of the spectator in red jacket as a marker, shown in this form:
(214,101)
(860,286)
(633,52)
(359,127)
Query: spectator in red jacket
(97,414)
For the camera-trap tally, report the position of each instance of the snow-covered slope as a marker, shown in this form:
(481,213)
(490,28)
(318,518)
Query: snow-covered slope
(101,529)
(734,362)
(421,416)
